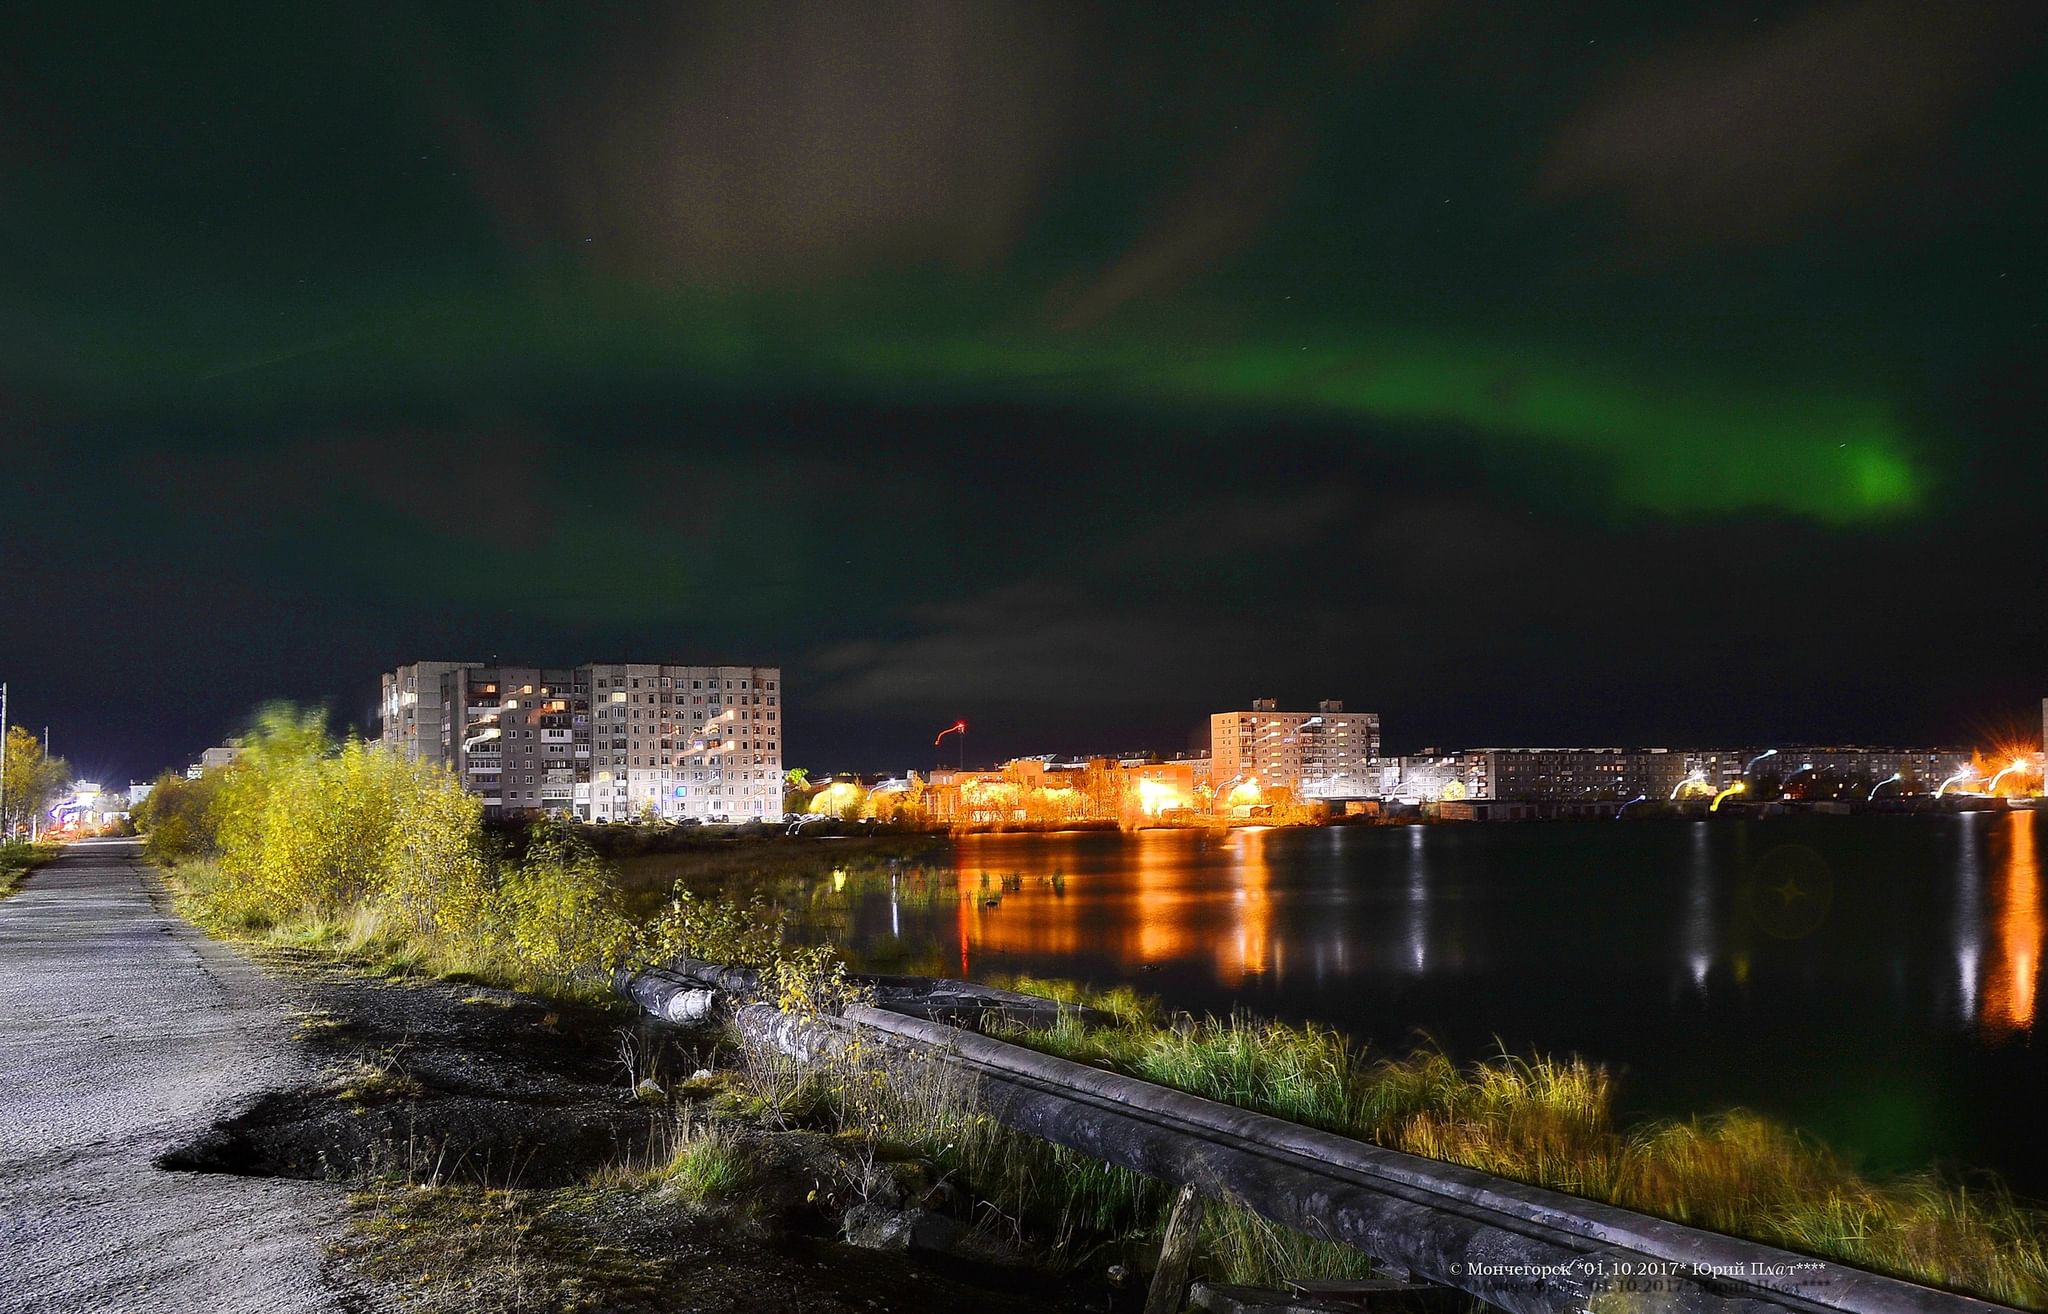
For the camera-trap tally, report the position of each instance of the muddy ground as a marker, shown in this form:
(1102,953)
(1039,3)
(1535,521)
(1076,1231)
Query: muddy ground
(499,1156)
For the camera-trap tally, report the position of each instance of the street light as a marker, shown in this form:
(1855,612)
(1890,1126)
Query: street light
(2010,767)
(1881,784)
(957,728)
(1967,773)
(1735,788)
(1768,752)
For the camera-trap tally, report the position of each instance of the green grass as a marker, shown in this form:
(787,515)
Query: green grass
(17,860)
(708,1165)
(1552,1123)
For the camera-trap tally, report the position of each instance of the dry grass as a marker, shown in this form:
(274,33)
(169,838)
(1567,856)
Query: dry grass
(1551,1123)
(376,1081)
(366,936)
(470,1250)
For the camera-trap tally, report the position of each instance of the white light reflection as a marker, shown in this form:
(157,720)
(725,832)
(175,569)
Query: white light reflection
(1969,948)
(1418,903)
(1699,910)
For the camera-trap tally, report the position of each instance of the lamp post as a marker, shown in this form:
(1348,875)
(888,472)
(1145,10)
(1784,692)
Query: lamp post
(1881,784)
(2009,768)
(957,728)
(1967,773)
(1768,752)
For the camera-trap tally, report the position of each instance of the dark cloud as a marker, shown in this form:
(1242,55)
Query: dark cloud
(1757,132)
(778,143)
(1220,213)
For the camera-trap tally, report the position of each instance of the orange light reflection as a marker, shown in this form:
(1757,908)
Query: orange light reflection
(2013,974)
(1186,909)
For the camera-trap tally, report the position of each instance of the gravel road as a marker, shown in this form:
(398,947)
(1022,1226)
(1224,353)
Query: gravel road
(124,1033)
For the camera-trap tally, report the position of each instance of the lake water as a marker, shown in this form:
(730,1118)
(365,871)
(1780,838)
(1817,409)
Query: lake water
(1873,980)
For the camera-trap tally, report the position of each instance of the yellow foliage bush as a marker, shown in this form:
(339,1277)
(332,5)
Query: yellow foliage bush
(564,914)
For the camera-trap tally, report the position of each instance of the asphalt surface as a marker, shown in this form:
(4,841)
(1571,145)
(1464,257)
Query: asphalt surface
(124,1033)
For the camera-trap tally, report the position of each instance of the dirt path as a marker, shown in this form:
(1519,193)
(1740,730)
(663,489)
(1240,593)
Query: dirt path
(123,1033)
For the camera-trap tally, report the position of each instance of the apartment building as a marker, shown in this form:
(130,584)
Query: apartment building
(1325,754)
(686,741)
(599,742)
(1580,775)
(412,710)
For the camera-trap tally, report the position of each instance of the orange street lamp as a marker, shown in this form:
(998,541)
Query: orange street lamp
(957,728)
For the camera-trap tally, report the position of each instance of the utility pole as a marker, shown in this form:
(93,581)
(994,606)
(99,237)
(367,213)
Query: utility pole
(4,836)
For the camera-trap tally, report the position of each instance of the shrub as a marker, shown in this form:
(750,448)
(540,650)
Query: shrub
(719,930)
(565,918)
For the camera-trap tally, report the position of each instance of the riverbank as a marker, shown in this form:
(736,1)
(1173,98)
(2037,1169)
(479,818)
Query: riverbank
(416,885)
(508,1153)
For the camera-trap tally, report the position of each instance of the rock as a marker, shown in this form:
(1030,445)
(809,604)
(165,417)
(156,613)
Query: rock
(898,1231)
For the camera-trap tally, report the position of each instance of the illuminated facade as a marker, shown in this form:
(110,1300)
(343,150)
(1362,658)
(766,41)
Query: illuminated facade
(1046,790)
(1574,775)
(599,742)
(1325,754)
(702,742)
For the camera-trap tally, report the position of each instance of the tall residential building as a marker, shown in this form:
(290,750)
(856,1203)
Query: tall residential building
(1325,754)
(412,711)
(599,742)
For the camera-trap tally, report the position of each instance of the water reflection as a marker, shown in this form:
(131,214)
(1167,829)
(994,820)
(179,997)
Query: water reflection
(2010,978)
(1628,944)
(1418,902)
(1254,939)
(1969,947)
(1232,906)
(1163,897)
(1698,926)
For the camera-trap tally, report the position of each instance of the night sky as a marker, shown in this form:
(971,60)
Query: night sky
(1528,373)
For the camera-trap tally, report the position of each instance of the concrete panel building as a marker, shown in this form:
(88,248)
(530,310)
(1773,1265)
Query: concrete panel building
(599,742)
(1325,754)
(1575,775)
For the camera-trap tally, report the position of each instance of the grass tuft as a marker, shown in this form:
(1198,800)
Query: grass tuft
(709,1164)
(1551,1122)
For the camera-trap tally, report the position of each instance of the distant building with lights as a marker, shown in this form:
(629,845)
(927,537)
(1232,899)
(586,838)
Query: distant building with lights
(214,758)
(1325,754)
(1618,775)
(599,742)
